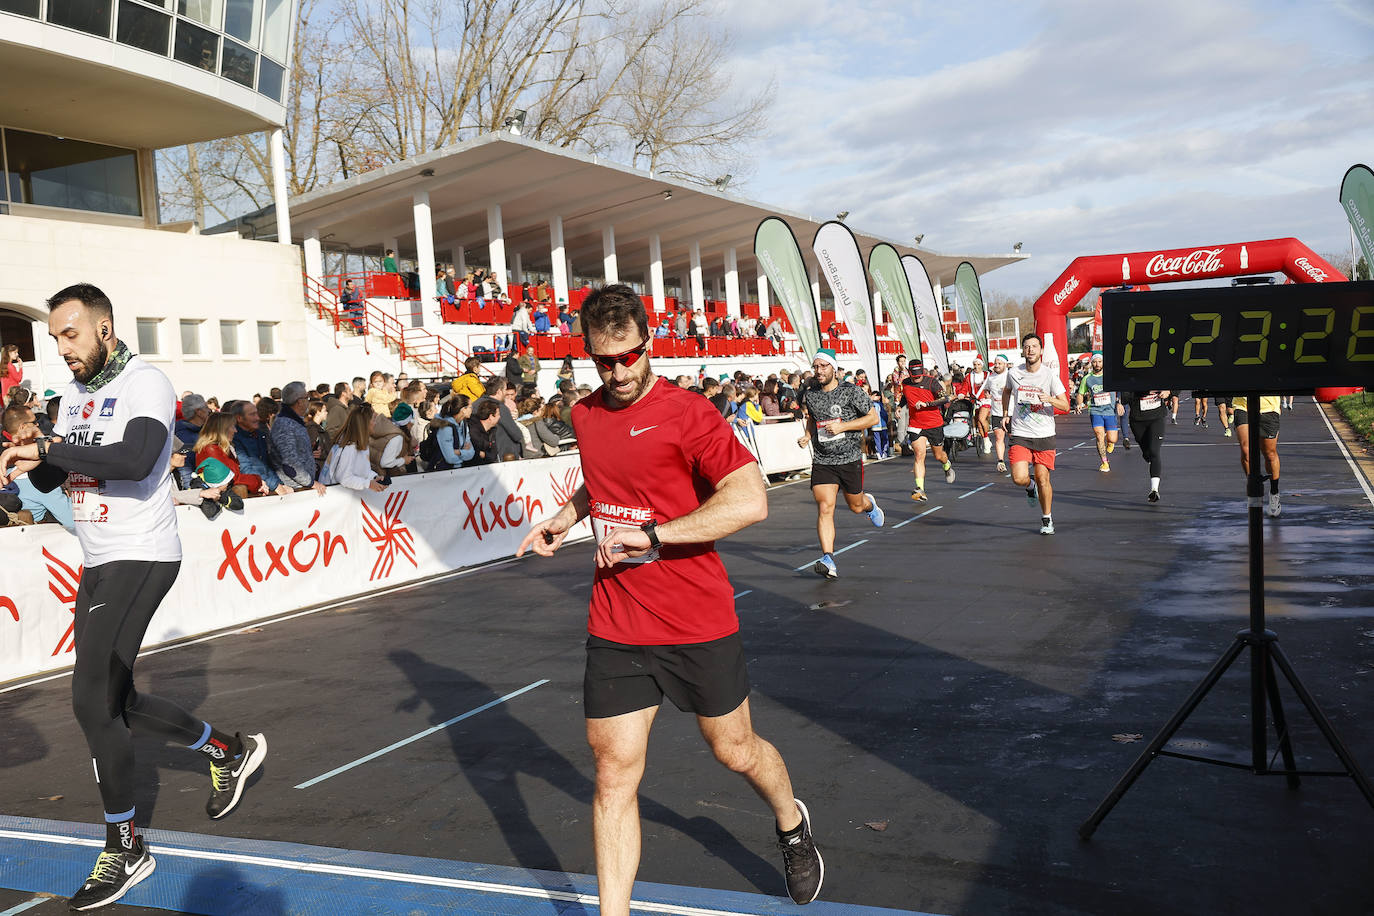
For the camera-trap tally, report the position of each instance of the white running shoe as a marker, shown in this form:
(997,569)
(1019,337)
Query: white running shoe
(1274,508)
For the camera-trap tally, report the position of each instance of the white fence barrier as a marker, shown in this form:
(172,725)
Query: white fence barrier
(284,553)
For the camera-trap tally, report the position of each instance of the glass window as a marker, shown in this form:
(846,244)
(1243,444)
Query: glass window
(229,338)
(276,28)
(196,46)
(236,63)
(143,28)
(85,15)
(50,172)
(241,20)
(147,336)
(206,12)
(270,79)
(190,338)
(267,338)
(20,7)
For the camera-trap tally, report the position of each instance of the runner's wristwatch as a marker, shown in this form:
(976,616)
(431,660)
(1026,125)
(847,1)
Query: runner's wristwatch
(651,530)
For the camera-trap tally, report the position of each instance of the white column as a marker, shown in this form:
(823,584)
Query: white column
(278,149)
(496,243)
(698,293)
(732,283)
(763,293)
(815,272)
(517,270)
(460,260)
(424,260)
(878,307)
(656,273)
(939,302)
(559,258)
(608,263)
(314,258)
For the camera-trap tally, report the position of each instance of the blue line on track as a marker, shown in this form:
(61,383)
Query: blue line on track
(220,876)
(26,905)
(979,490)
(424,734)
(914,517)
(747,591)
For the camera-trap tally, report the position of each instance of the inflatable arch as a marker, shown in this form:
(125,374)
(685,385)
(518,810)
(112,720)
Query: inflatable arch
(1289,256)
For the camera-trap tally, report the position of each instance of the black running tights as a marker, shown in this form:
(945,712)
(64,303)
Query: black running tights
(1149,435)
(114,605)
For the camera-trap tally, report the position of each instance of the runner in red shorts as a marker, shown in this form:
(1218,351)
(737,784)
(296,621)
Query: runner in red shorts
(1034,390)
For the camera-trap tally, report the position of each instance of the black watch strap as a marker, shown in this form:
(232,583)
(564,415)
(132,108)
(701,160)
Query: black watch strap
(42,448)
(652,531)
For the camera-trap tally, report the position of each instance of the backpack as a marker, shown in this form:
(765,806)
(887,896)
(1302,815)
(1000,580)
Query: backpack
(431,454)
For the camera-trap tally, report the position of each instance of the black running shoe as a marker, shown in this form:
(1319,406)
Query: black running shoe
(802,861)
(1125,443)
(113,875)
(1154,496)
(227,780)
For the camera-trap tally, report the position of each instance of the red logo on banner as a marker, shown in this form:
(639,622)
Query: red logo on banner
(486,515)
(1201,261)
(390,536)
(564,489)
(63,582)
(8,605)
(301,553)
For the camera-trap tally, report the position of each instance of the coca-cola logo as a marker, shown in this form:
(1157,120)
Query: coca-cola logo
(1069,287)
(1202,261)
(1316,273)
(88,410)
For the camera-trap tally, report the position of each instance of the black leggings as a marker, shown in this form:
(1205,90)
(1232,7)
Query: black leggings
(1149,435)
(114,605)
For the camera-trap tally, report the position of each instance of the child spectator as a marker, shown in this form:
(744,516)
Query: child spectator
(452,443)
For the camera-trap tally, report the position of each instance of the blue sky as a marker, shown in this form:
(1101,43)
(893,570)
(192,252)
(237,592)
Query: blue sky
(1075,127)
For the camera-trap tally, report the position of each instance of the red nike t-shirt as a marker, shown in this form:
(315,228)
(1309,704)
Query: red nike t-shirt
(660,458)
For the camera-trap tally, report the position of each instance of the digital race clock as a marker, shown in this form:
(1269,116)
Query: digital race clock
(1248,338)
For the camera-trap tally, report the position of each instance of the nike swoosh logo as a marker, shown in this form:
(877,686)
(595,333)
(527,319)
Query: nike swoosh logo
(241,765)
(130,869)
(96,607)
(636,432)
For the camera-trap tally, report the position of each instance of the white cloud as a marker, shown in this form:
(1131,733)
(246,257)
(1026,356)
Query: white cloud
(1076,127)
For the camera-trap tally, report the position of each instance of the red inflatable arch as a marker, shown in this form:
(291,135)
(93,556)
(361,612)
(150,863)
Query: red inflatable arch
(1290,256)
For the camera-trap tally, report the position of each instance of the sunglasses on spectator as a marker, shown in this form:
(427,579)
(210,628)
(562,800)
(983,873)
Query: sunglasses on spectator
(627,359)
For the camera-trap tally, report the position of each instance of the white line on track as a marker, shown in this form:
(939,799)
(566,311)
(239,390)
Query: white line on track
(424,734)
(321,868)
(836,553)
(1079,445)
(26,905)
(914,517)
(1345,453)
(979,490)
(747,591)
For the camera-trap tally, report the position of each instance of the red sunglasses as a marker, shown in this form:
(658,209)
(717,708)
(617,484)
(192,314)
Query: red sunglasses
(627,359)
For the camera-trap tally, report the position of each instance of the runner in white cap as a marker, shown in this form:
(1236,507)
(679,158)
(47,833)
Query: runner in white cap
(983,404)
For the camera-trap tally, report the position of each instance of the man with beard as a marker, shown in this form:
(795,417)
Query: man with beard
(1033,392)
(664,479)
(839,413)
(112,451)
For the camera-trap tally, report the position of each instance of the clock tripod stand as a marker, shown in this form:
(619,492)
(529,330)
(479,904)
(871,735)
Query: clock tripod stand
(1265,655)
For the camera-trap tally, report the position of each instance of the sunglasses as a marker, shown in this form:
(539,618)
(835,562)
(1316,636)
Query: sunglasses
(627,359)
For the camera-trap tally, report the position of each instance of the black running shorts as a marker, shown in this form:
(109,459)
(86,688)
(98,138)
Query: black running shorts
(934,436)
(849,477)
(708,678)
(1269,423)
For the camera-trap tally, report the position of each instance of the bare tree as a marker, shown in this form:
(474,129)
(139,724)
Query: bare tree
(380,81)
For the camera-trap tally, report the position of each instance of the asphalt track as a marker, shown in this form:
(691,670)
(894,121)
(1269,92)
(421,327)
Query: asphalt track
(947,708)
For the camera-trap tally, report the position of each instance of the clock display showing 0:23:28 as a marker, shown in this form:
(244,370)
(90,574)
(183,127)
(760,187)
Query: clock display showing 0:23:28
(1311,336)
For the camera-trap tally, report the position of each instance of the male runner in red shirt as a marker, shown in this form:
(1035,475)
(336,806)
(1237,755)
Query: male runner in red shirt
(925,424)
(664,479)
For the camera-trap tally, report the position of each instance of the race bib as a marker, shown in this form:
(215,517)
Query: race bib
(1102,399)
(88,506)
(606,516)
(1032,397)
(1149,402)
(823,436)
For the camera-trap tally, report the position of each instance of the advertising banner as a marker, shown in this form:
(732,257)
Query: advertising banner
(781,259)
(843,266)
(1357,197)
(885,267)
(971,298)
(282,553)
(927,311)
